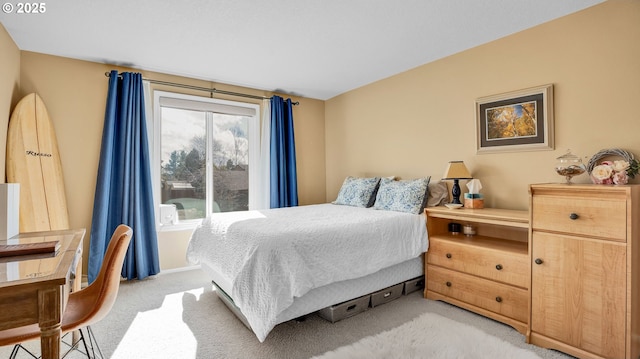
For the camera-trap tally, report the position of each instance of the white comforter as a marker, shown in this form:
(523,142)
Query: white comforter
(271,256)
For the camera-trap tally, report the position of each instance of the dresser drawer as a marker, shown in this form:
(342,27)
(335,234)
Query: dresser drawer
(499,298)
(597,217)
(474,257)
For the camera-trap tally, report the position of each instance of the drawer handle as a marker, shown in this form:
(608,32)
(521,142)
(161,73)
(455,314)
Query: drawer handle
(498,299)
(448,255)
(448,284)
(573,216)
(539,261)
(499,266)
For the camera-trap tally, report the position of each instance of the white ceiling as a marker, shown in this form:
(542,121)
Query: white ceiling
(311,48)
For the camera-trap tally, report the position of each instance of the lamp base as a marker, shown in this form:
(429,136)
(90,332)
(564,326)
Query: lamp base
(455,192)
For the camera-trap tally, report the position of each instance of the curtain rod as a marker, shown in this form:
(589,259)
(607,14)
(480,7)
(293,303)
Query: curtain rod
(210,90)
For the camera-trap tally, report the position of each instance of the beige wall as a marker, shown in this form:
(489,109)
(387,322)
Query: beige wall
(413,123)
(408,125)
(9,87)
(75,95)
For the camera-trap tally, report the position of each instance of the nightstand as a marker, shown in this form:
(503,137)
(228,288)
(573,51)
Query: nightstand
(487,273)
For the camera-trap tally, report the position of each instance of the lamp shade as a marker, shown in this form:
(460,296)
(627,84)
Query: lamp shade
(456,170)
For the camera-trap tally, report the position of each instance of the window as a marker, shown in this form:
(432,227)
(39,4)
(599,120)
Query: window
(204,153)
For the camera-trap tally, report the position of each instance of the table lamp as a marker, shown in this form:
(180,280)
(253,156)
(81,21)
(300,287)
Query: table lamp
(456,170)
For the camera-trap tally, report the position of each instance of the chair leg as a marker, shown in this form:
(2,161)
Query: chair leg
(14,352)
(89,347)
(16,349)
(94,343)
(89,343)
(84,343)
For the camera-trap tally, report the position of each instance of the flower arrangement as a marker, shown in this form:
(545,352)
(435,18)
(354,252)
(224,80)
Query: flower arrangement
(614,172)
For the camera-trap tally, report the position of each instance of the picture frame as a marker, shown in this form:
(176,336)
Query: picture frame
(515,121)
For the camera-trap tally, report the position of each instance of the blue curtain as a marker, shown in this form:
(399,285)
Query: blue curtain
(284,178)
(123,187)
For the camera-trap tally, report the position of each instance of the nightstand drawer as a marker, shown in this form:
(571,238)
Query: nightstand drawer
(470,256)
(596,217)
(499,298)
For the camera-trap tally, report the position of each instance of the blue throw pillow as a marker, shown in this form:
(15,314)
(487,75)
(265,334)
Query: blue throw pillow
(358,192)
(402,196)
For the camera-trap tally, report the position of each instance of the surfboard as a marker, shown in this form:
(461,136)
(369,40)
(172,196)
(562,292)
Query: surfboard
(33,161)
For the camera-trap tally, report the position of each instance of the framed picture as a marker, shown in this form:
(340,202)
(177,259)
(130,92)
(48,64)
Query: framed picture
(515,121)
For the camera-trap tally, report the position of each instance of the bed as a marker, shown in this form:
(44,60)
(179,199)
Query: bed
(275,265)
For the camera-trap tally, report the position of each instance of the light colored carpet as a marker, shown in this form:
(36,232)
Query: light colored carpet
(430,336)
(178,316)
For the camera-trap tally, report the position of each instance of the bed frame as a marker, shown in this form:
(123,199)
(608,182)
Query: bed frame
(333,293)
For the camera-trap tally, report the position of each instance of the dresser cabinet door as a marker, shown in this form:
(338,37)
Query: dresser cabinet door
(578,292)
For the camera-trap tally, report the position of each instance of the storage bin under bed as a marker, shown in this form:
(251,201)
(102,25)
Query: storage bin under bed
(346,309)
(355,306)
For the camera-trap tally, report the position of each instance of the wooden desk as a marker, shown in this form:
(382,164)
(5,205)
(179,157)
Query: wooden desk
(35,288)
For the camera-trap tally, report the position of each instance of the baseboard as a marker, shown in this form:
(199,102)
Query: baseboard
(176,270)
(85,278)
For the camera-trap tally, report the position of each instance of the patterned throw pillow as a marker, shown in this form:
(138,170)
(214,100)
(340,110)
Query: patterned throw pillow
(402,196)
(358,192)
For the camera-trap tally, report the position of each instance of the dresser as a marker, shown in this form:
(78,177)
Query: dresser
(487,272)
(585,253)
